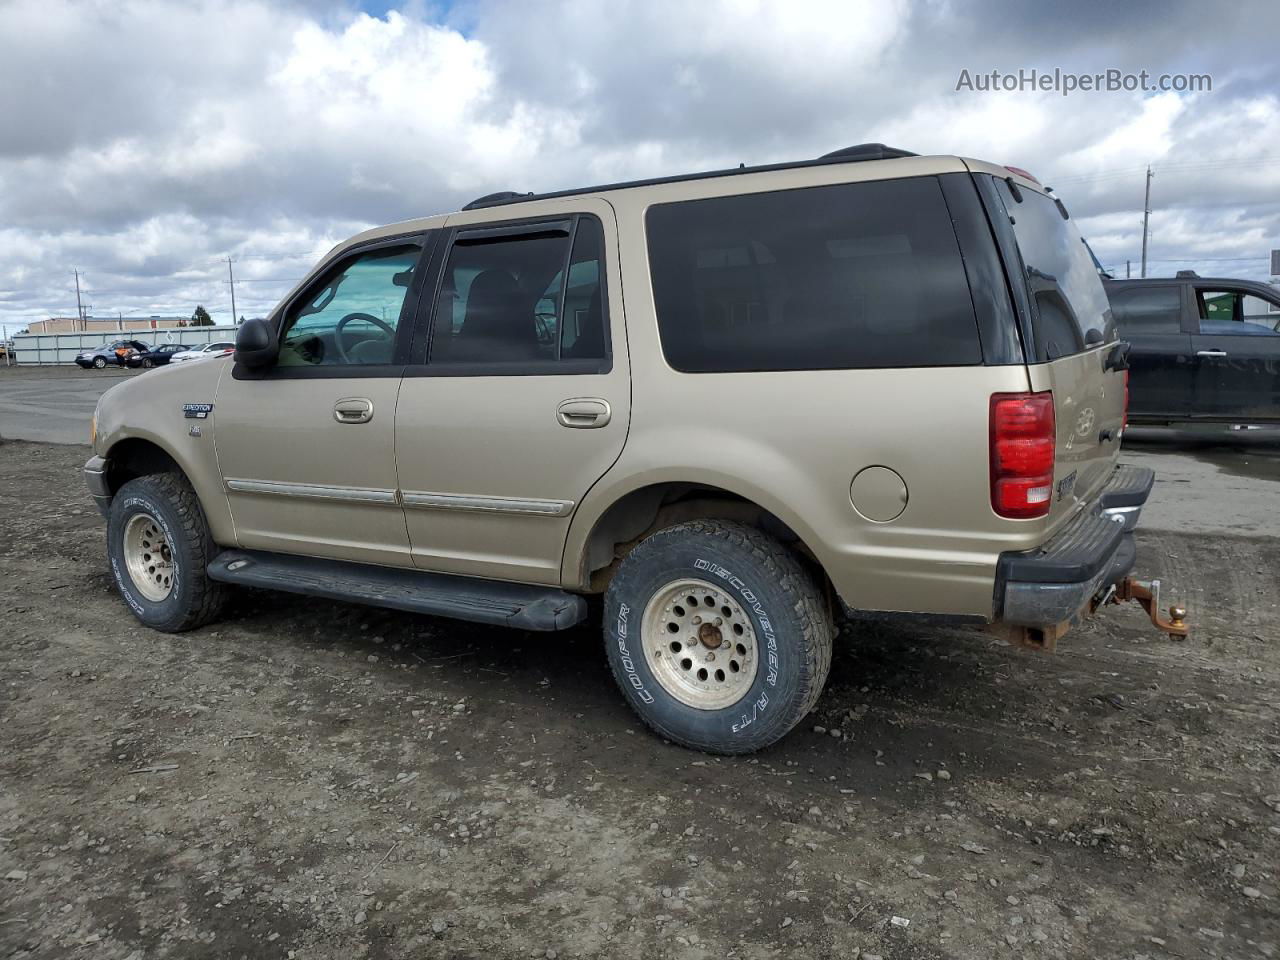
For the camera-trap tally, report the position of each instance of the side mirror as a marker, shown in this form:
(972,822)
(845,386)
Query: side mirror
(256,345)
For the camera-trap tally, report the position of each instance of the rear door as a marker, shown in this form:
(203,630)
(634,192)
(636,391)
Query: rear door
(1237,352)
(520,395)
(1162,364)
(1072,337)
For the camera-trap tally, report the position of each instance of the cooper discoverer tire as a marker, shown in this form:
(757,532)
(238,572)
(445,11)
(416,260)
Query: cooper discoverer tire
(719,639)
(159,546)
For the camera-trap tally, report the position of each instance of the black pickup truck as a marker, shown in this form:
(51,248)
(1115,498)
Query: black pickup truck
(1202,349)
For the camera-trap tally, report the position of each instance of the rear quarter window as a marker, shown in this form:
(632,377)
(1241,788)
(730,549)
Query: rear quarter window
(1072,312)
(838,277)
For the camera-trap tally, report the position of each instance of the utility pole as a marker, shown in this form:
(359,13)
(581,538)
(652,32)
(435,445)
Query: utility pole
(1128,269)
(232,280)
(1146,220)
(79,308)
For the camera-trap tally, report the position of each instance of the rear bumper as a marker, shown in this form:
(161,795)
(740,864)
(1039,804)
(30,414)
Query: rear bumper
(95,478)
(1053,584)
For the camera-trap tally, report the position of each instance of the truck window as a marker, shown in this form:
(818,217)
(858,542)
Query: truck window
(506,300)
(352,316)
(1235,313)
(1072,312)
(837,277)
(1140,310)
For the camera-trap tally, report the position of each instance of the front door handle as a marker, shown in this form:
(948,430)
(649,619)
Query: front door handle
(353,410)
(1211,353)
(583,413)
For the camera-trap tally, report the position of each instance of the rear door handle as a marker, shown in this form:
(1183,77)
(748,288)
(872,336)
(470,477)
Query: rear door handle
(353,410)
(1211,353)
(583,413)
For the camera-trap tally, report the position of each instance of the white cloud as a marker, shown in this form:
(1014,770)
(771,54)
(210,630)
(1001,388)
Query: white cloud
(144,140)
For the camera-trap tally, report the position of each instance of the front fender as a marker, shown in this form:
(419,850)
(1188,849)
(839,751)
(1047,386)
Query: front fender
(150,408)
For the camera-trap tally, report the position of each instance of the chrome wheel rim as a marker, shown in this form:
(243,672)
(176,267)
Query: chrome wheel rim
(699,644)
(148,556)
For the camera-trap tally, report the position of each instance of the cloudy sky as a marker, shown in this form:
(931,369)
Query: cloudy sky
(144,142)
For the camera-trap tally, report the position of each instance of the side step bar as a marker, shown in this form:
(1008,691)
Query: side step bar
(519,605)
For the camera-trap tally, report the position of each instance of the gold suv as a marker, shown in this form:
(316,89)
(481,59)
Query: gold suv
(732,403)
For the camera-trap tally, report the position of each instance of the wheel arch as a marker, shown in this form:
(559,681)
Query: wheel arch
(135,457)
(604,531)
(141,453)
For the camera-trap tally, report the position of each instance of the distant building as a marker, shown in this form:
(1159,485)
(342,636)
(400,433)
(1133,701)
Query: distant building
(104,324)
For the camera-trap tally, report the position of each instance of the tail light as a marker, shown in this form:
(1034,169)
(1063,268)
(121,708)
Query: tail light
(1124,418)
(1023,444)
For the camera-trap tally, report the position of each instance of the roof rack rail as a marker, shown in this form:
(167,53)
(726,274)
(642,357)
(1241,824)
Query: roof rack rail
(855,154)
(493,199)
(867,151)
(1187,275)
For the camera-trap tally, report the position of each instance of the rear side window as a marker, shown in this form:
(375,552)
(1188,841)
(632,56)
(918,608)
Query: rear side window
(523,300)
(840,277)
(1140,310)
(1071,307)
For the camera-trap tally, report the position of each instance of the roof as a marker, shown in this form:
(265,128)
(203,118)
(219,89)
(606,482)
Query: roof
(1137,281)
(858,153)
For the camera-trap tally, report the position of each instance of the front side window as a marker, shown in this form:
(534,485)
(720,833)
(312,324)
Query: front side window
(1140,310)
(1072,311)
(352,318)
(1235,313)
(528,298)
(838,277)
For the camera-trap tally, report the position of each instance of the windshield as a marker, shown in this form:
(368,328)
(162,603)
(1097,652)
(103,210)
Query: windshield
(1071,309)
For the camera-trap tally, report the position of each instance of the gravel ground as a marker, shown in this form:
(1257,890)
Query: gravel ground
(310,779)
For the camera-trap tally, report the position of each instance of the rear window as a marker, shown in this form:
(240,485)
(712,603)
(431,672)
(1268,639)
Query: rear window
(840,277)
(1071,307)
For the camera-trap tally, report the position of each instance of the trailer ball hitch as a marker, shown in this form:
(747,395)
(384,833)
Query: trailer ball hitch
(1147,594)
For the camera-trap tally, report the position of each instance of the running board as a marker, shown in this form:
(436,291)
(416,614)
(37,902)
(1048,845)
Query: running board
(519,605)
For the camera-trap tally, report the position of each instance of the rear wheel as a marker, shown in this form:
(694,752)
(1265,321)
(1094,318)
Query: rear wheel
(159,546)
(718,637)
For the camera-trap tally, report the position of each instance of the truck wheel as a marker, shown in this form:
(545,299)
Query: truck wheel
(718,637)
(159,545)
(99,363)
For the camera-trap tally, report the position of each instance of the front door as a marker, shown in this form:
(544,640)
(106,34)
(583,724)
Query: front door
(1237,348)
(306,448)
(521,400)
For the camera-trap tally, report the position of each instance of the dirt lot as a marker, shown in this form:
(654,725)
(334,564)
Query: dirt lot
(310,779)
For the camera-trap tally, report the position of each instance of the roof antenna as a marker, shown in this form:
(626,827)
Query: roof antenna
(742,166)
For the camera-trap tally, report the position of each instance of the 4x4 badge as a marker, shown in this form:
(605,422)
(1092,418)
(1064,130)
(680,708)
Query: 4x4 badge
(197,411)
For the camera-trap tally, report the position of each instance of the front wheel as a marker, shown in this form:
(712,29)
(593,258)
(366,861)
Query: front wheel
(718,637)
(159,546)
(100,363)
(148,363)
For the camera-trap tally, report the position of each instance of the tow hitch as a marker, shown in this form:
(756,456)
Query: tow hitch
(1147,593)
